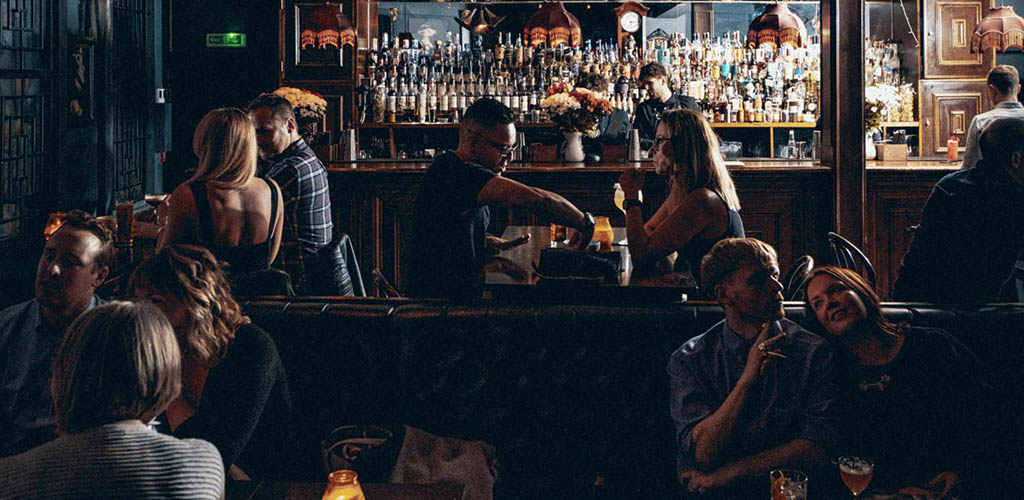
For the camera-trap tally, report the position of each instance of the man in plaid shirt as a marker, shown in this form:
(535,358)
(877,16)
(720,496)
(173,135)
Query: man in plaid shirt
(289,161)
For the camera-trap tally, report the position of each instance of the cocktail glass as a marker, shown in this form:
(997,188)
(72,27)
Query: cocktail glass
(788,484)
(856,473)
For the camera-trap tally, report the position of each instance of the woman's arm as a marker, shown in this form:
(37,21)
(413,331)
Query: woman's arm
(275,244)
(235,395)
(181,219)
(697,211)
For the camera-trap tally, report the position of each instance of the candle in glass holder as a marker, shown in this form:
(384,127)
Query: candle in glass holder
(343,485)
(603,233)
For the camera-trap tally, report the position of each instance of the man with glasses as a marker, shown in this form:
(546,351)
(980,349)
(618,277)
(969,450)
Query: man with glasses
(450,245)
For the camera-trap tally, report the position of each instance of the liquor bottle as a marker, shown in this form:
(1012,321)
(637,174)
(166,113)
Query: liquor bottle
(371,60)
(392,104)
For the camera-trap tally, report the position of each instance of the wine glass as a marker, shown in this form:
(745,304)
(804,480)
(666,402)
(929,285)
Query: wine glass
(160,208)
(856,473)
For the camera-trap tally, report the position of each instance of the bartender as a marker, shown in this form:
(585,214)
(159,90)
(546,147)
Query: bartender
(654,79)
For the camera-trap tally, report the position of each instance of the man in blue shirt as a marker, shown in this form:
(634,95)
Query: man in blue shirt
(1003,85)
(756,391)
(75,261)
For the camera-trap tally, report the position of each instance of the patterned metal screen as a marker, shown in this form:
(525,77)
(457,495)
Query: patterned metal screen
(23,108)
(129,99)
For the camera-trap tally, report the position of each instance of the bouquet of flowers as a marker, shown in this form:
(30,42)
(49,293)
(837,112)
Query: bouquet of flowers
(879,101)
(576,110)
(310,109)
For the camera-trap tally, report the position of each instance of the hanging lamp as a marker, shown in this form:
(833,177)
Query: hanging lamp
(1001,29)
(776,26)
(554,25)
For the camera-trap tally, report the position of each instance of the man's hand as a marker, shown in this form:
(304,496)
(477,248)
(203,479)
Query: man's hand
(762,354)
(939,487)
(701,482)
(496,245)
(504,266)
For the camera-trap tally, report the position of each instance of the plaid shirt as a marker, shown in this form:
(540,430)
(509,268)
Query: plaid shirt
(307,208)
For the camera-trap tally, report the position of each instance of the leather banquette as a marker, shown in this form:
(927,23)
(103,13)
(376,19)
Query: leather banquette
(565,392)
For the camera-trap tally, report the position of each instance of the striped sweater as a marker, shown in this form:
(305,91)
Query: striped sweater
(115,461)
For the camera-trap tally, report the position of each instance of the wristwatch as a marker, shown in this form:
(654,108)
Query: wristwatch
(628,204)
(588,222)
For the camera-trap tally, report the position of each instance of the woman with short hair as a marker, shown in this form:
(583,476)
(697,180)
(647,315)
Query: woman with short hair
(234,387)
(116,369)
(702,207)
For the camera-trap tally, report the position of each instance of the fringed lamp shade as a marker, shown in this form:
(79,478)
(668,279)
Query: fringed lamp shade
(327,26)
(1001,29)
(554,25)
(479,21)
(776,26)
(307,38)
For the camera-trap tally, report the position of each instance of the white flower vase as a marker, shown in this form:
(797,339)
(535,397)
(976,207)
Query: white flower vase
(573,151)
(869,146)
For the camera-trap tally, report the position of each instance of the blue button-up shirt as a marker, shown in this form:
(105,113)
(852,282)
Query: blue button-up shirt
(972,151)
(27,347)
(794,397)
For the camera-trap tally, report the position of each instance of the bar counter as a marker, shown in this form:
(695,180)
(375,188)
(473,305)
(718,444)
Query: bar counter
(787,204)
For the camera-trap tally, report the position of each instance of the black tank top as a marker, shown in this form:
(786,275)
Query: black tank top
(694,250)
(242,258)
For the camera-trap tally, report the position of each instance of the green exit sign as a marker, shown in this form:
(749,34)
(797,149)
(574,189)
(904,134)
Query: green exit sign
(225,40)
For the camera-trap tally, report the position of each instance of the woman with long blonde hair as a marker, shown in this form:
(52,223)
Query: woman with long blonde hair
(234,388)
(224,206)
(702,207)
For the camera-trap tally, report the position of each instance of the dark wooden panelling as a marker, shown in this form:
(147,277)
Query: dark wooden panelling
(895,200)
(788,209)
(948,29)
(947,107)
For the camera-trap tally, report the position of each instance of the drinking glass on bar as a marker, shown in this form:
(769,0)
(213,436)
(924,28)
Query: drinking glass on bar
(856,473)
(558,235)
(788,484)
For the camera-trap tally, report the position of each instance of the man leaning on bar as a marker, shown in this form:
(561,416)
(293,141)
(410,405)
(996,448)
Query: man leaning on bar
(450,243)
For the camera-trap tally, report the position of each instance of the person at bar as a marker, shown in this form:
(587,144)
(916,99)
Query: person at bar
(756,391)
(117,368)
(235,393)
(224,206)
(75,261)
(660,97)
(971,233)
(306,251)
(611,127)
(914,399)
(702,207)
(449,240)
(1004,86)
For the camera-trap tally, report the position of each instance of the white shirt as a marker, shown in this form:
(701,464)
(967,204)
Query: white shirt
(1010,109)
